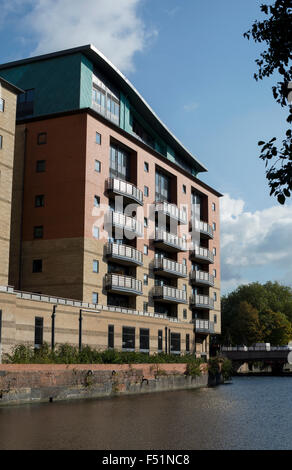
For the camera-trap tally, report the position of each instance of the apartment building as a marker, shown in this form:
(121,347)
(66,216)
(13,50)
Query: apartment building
(104,202)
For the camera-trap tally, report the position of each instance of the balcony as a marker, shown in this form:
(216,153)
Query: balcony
(202,301)
(204,326)
(169,294)
(204,228)
(169,241)
(202,255)
(169,268)
(122,284)
(129,192)
(202,278)
(128,224)
(123,254)
(171,211)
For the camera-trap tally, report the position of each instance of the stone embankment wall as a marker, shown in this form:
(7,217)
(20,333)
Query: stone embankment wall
(28,383)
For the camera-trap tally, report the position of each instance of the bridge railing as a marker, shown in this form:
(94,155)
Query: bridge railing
(256,348)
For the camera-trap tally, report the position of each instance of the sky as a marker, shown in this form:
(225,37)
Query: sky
(189,60)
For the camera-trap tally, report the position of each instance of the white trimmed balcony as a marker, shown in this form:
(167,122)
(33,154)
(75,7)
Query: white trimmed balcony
(204,326)
(128,224)
(119,187)
(122,284)
(169,294)
(202,255)
(204,228)
(169,241)
(124,254)
(169,268)
(202,278)
(202,301)
(172,211)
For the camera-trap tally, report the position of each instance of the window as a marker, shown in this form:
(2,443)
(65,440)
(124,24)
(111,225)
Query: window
(42,138)
(162,187)
(1,141)
(146,191)
(2,104)
(40,166)
(145,249)
(98,138)
(175,343)
(37,266)
(145,307)
(96,232)
(25,103)
(184,261)
(38,231)
(95,266)
(215,318)
(119,163)
(38,331)
(214,251)
(143,134)
(214,272)
(184,188)
(213,207)
(187,343)
(94,297)
(128,336)
(184,287)
(144,339)
(215,296)
(185,314)
(97,166)
(111,337)
(145,222)
(40,200)
(146,167)
(160,339)
(96,201)
(145,280)
(214,226)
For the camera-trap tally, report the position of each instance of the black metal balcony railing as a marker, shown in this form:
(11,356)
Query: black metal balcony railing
(169,294)
(125,189)
(202,254)
(170,267)
(202,301)
(172,211)
(116,219)
(204,326)
(202,278)
(125,253)
(169,240)
(120,283)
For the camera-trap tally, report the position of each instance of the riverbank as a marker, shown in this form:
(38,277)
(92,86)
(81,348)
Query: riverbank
(30,383)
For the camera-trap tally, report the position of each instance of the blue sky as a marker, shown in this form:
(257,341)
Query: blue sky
(189,60)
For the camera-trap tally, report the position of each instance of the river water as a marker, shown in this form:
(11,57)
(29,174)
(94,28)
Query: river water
(250,413)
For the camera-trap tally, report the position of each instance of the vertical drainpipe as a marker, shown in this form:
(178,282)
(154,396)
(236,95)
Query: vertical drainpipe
(80,329)
(166,340)
(169,341)
(21,217)
(53,327)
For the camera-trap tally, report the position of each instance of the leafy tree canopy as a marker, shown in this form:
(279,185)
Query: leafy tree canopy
(276,32)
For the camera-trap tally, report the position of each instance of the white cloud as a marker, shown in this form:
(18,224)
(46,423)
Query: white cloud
(191,106)
(113,26)
(260,239)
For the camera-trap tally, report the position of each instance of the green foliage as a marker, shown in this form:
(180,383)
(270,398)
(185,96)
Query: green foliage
(276,32)
(257,313)
(226,369)
(193,368)
(214,366)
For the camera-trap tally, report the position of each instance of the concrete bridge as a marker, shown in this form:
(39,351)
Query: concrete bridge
(275,357)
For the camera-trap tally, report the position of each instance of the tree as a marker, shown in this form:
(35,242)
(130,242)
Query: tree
(276,328)
(276,32)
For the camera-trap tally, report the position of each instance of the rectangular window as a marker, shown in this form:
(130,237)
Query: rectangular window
(97,166)
(185,313)
(214,251)
(2,105)
(145,249)
(144,339)
(1,141)
(119,163)
(96,232)
(184,261)
(95,266)
(215,296)
(38,231)
(37,266)
(145,222)
(214,226)
(96,201)
(111,337)
(175,343)
(162,187)
(184,287)
(160,339)
(213,207)
(42,138)
(145,307)
(184,188)
(187,343)
(215,319)
(40,166)
(98,138)
(146,191)
(38,331)
(214,272)
(40,200)
(25,104)
(94,297)
(128,336)
(145,279)
(146,167)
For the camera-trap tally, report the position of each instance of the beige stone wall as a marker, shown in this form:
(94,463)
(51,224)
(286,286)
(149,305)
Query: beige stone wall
(7,131)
